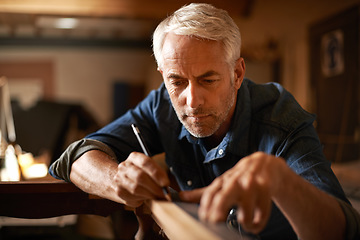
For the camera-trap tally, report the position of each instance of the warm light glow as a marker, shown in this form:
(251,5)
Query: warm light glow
(29,168)
(37,170)
(10,171)
(66,23)
(25,160)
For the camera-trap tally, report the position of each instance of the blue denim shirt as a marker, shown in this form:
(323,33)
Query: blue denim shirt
(267,118)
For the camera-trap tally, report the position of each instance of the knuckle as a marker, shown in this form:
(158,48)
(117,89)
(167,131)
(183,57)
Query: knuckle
(248,182)
(132,188)
(136,158)
(121,165)
(220,199)
(132,155)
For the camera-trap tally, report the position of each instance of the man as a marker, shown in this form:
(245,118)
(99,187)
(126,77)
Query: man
(228,142)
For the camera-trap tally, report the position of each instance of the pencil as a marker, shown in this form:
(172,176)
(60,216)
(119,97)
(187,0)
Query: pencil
(147,153)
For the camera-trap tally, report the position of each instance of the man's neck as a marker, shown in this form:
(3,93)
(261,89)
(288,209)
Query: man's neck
(212,142)
(215,139)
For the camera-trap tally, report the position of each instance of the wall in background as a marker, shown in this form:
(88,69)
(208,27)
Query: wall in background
(86,75)
(287,23)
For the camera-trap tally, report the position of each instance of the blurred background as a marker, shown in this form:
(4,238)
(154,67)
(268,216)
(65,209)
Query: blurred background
(97,54)
(75,65)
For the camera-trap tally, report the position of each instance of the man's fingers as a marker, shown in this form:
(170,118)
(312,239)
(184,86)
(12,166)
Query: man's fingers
(207,200)
(193,196)
(253,202)
(261,214)
(129,199)
(136,181)
(143,183)
(149,166)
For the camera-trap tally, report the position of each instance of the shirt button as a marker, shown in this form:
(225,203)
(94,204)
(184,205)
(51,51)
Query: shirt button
(221,152)
(189,183)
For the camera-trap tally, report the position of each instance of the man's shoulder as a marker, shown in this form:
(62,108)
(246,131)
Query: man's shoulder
(271,103)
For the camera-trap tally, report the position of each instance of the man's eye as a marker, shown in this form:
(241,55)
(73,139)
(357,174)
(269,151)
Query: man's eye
(177,82)
(209,81)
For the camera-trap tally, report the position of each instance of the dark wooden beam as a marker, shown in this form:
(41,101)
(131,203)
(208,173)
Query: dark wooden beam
(73,42)
(50,199)
(155,9)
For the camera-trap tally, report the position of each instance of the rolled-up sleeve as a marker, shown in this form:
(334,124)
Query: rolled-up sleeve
(61,168)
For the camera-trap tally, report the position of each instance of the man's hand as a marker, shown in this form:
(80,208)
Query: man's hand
(249,186)
(257,180)
(139,178)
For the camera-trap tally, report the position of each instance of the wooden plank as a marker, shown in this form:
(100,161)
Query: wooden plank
(176,224)
(179,221)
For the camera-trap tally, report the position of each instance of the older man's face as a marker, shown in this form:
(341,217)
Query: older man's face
(200,83)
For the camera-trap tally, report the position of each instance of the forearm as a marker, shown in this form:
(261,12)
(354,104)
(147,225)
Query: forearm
(312,213)
(94,173)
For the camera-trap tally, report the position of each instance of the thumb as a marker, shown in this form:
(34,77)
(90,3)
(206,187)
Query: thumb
(193,196)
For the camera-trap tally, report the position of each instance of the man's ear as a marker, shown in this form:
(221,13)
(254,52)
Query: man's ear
(239,72)
(159,70)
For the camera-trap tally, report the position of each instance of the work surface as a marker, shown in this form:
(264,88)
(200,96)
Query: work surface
(51,198)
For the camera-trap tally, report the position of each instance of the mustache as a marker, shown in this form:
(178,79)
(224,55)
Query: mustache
(197,112)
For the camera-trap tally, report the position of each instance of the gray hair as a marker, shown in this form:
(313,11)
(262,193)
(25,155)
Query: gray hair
(203,21)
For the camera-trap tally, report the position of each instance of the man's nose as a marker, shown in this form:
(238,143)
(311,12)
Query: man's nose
(194,96)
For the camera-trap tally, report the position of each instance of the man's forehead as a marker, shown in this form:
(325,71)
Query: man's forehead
(181,68)
(178,46)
